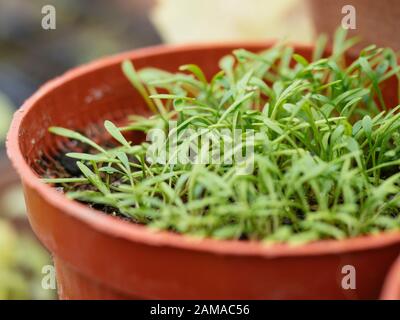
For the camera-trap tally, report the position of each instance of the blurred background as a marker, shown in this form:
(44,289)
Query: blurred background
(89,29)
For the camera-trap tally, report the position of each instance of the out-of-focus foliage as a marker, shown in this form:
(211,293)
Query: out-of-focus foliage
(21,262)
(5,115)
(21,258)
(12,204)
(85,30)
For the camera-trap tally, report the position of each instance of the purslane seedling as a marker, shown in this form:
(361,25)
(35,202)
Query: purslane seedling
(325,149)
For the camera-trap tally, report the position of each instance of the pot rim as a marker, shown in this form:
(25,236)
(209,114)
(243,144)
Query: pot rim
(115,227)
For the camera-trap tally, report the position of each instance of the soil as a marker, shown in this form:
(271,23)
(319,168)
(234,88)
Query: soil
(60,165)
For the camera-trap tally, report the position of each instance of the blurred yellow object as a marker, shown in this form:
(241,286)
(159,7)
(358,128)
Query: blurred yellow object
(227,20)
(8,239)
(12,203)
(12,284)
(21,263)
(6,111)
(22,258)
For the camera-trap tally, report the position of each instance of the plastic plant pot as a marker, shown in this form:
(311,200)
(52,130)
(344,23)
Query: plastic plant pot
(101,256)
(391,288)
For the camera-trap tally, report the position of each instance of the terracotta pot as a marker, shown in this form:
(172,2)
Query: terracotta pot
(391,288)
(100,256)
(376,21)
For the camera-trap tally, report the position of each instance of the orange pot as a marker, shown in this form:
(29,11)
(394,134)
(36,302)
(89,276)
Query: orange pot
(100,256)
(391,288)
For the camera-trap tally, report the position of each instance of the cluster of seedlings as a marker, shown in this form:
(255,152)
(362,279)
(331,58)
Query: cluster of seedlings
(326,151)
